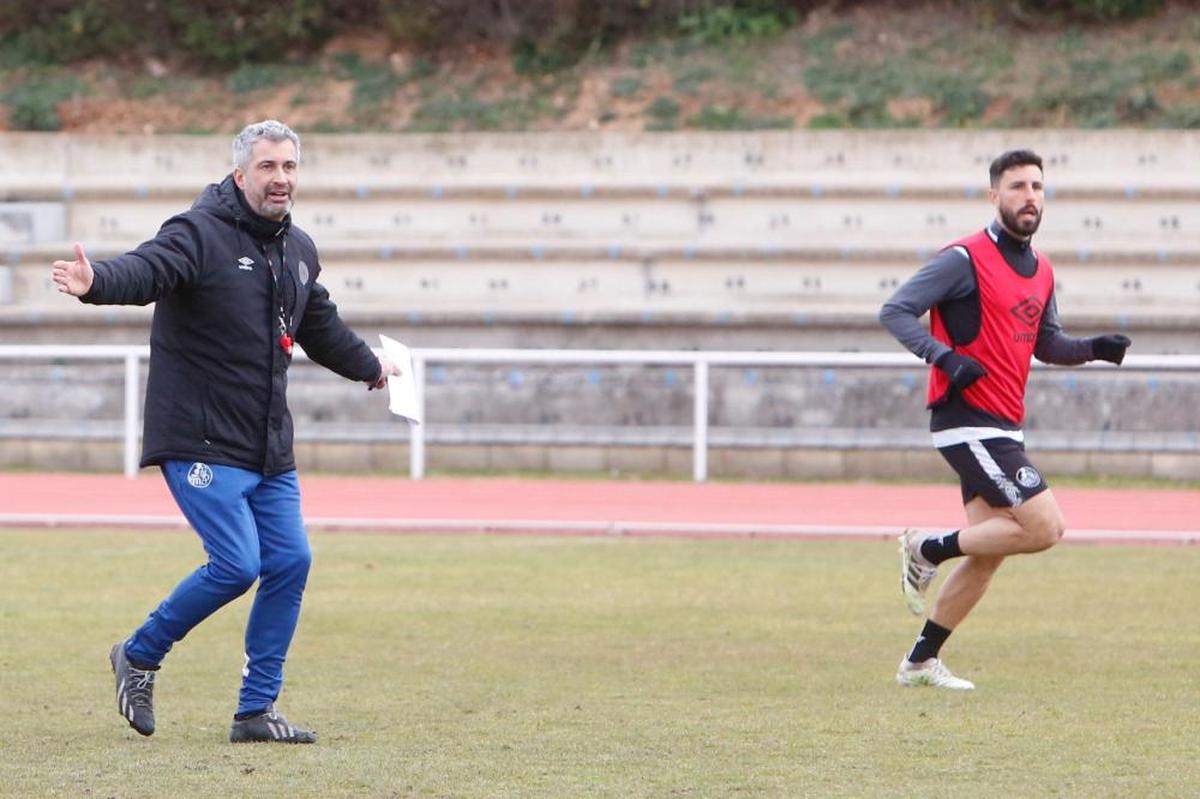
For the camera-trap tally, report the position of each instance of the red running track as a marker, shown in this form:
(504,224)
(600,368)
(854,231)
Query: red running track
(600,506)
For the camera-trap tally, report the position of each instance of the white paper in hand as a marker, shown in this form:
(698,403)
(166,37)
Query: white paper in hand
(402,388)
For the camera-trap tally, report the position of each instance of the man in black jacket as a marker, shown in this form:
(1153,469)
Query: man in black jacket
(234,284)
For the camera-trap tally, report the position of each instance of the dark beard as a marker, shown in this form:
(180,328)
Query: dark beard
(1018,226)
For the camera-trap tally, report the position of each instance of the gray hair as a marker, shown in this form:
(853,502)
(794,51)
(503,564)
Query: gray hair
(270,129)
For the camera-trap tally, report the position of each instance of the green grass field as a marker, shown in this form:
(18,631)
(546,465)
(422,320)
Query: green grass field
(572,667)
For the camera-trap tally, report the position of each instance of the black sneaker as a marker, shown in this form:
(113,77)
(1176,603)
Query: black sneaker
(269,726)
(135,691)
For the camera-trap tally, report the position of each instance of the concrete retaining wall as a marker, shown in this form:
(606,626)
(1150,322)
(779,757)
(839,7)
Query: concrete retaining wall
(724,462)
(765,422)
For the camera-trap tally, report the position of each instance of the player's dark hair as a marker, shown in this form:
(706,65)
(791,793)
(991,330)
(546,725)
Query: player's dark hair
(1006,161)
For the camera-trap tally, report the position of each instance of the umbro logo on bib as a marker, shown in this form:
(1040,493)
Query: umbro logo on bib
(246,263)
(200,475)
(1028,310)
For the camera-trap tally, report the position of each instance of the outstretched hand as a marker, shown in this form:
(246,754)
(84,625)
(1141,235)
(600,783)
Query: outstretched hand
(386,367)
(73,277)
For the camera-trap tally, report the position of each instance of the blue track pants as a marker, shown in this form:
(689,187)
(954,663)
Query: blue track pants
(251,529)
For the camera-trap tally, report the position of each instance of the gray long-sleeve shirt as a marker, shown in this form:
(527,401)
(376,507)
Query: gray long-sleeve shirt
(949,282)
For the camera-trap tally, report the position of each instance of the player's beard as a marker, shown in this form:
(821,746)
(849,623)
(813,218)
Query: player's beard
(1021,226)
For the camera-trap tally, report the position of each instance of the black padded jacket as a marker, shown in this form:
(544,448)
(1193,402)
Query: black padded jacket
(224,280)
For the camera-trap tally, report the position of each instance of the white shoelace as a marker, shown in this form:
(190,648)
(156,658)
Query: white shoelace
(141,679)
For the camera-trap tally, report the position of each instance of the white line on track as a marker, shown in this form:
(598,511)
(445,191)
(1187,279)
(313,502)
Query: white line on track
(683,529)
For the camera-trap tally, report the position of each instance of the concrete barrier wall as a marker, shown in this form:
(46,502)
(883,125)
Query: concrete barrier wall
(762,463)
(781,422)
(1068,401)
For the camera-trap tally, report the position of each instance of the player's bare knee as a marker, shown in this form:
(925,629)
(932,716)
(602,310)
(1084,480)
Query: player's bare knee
(1042,534)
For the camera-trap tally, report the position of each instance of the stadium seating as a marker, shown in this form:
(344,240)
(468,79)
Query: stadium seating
(746,224)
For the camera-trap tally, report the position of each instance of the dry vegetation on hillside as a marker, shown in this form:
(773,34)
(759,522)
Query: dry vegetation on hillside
(856,65)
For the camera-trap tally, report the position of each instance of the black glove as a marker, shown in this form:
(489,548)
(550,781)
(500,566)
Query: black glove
(961,369)
(1110,348)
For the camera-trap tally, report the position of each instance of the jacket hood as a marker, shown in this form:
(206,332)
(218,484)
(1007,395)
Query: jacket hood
(225,201)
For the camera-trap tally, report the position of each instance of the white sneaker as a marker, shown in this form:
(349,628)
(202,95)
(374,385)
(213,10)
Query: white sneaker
(916,573)
(932,672)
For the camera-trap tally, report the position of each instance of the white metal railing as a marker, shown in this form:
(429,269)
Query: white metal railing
(133,355)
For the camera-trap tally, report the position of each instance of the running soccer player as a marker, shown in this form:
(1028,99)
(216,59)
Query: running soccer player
(990,297)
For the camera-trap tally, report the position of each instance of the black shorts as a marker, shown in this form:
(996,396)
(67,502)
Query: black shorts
(995,469)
